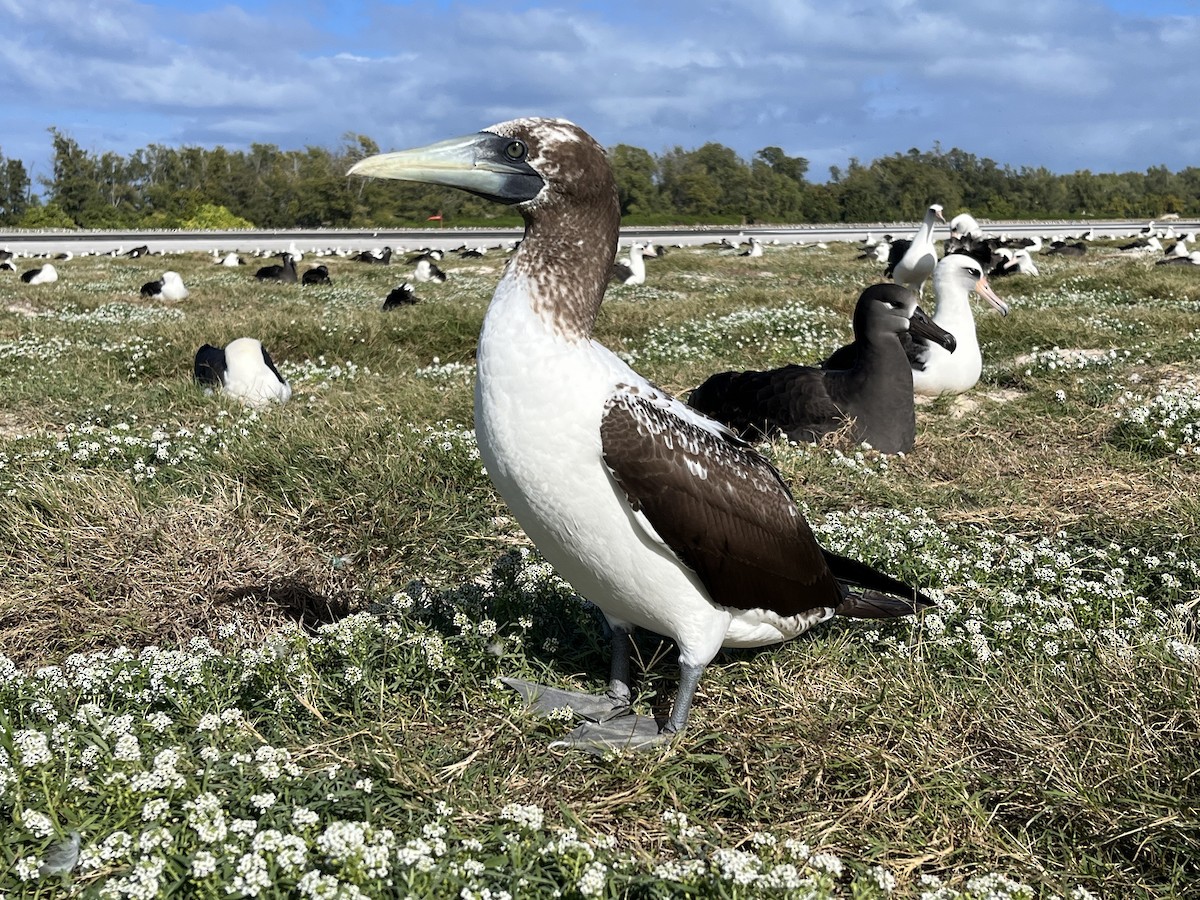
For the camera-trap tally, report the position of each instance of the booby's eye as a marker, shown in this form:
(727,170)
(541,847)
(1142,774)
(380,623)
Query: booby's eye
(515,150)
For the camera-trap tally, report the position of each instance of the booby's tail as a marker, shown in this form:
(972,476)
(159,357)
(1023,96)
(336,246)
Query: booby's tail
(869,593)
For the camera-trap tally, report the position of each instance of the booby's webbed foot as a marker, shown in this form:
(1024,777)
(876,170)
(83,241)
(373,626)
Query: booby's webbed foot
(546,701)
(632,732)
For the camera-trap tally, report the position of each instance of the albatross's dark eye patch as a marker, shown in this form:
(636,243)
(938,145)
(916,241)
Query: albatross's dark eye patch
(515,150)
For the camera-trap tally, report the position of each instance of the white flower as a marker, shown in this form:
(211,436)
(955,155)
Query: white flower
(530,816)
(593,880)
(33,748)
(36,823)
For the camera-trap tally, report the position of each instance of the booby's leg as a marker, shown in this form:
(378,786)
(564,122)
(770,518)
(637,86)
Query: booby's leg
(689,680)
(596,708)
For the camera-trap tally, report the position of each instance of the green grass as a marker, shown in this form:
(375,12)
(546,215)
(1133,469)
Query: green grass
(259,653)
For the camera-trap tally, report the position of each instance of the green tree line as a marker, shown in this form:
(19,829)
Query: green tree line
(268,187)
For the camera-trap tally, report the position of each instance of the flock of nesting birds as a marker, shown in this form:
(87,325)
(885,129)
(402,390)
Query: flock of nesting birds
(659,511)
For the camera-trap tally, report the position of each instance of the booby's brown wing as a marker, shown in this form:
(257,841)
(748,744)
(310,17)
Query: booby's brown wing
(717,504)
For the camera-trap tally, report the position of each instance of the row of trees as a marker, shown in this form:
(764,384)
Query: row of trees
(266,187)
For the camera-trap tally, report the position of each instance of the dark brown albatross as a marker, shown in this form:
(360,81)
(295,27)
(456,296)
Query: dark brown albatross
(659,516)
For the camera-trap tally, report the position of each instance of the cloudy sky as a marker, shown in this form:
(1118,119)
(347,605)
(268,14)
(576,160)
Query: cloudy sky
(1106,85)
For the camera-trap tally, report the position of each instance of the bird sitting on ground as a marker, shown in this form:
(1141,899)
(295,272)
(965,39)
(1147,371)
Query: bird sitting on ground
(427,270)
(872,396)
(169,287)
(316,275)
(284,272)
(374,257)
(242,369)
(631,270)
(401,295)
(935,369)
(45,274)
(658,515)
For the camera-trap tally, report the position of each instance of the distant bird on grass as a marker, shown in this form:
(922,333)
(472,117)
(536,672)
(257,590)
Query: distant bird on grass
(427,270)
(284,272)
(316,275)
(244,370)
(401,295)
(169,287)
(631,270)
(374,257)
(47,274)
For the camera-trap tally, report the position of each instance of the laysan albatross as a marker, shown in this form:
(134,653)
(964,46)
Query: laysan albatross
(655,513)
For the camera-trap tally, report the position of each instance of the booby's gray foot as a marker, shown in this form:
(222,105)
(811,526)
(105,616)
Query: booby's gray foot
(546,701)
(631,732)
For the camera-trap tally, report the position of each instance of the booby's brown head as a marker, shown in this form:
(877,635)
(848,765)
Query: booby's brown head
(559,178)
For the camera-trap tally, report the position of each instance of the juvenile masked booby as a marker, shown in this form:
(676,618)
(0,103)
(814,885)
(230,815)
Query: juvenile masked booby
(243,370)
(658,515)
(872,395)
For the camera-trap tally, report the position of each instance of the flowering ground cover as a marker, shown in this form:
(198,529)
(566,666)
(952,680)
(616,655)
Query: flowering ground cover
(257,653)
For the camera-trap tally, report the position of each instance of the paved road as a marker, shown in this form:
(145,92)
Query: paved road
(34,243)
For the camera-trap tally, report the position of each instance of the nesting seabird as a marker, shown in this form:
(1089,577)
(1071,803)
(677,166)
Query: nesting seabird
(45,274)
(427,270)
(231,259)
(284,272)
(631,270)
(910,263)
(657,514)
(755,248)
(1062,248)
(401,295)
(243,370)
(935,369)
(375,257)
(872,396)
(169,287)
(316,275)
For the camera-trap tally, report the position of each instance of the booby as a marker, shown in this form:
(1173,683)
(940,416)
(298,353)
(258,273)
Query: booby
(284,272)
(631,270)
(910,263)
(169,287)
(427,270)
(316,275)
(47,274)
(872,396)
(243,370)
(401,295)
(658,515)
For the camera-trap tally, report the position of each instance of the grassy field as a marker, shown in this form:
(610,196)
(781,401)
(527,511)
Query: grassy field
(257,653)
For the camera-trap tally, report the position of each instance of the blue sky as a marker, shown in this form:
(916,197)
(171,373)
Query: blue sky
(1073,84)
